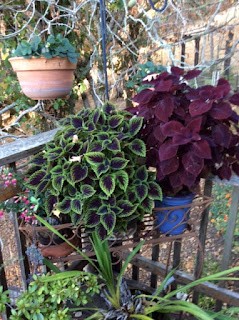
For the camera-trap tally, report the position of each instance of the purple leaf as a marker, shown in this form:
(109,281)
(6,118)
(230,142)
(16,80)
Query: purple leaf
(167,150)
(145,96)
(221,110)
(169,166)
(235,99)
(96,115)
(164,86)
(201,149)
(192,163)
(171,128)
(164,108)
(199,107)
(221,135)
(195,124)
(192,74)
(177,71)
(224,172)
(157,133)
(188,179)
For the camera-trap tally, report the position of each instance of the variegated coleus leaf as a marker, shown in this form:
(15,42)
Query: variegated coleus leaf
(115,121)
(87,191)
(42,186)
(35,179)
(135,124)
(127,208)
(57,170)
(77,122)
(147,205)
(92,219)
(118,163)
(96,146)
(57,182)
(76,206)
(114,145)
(155,191)
(141,174)
(107,184)
(94,158)
(138,147)
(108,220)
(38,159)
(122,179)
(65,205)
(78,172)
(49,203)
(141,192)
(94,203)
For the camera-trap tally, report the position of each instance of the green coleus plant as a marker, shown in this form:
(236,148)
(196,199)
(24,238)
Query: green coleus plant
(94,172)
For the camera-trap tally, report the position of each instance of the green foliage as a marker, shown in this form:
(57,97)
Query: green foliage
(93,171)
(4,299)
(55,46)
(143,70)
(50,296)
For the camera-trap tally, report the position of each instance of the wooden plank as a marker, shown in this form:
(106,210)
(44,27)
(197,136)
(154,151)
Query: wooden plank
(207,288)
(9,192)
(24,147)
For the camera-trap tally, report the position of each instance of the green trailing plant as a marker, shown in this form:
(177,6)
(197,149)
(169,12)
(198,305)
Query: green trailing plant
(93,172)
(54,46)
(50,296)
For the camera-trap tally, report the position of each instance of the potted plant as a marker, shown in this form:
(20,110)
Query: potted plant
(190,133)
(45,70)
(93,172)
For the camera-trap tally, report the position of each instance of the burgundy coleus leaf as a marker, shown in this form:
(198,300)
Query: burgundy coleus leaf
(78,172)
(171,128)
(164,108)
(224,172)
(221,110)
(77,122)
(221,135)
(235,168)
(108,221)
(195,124)
(175,180)
(145,96)
(164,86)
(192,74)
(192,163)
(169,166)
(234,99)
(223,88)
(199,107)
(160,176)
(201,149)
(185,136)
(177,71)
(167,150)
(188,179)
(157,134)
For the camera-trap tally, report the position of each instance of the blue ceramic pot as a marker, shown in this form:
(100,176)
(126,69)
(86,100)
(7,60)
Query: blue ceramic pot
(173,221)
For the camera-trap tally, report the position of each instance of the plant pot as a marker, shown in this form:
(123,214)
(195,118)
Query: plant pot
(44,79)
(172,214)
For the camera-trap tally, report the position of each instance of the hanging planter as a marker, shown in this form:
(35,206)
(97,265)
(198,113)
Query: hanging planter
(45,70)
(44,79)
(172,214)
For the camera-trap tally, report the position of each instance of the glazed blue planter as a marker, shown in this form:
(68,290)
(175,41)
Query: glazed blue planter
(173,221)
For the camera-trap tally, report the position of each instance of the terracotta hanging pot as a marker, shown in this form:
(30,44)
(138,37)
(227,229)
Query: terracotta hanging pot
(44,79)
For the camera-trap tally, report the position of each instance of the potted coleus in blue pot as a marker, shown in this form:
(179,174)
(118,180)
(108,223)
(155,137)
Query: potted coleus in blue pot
(190,133)
(93,173)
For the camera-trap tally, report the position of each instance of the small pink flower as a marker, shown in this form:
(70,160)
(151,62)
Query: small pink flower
(1,214)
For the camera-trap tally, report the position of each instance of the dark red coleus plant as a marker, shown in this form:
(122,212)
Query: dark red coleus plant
(189,133)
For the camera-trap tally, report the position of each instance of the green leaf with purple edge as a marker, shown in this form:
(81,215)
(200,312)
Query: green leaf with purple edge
(115,121)
(118,163)
(92,219)
(138,147)
(94,158)
(122,179)
(108,221)
(78,172)
(155,191)
(64,206)
(135,124)
(87,191)
(36,178)
(114,145)
(57,182)
(141,192)
(76,206)
(127,208)
(107,184)
(147,205)
(141,173)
